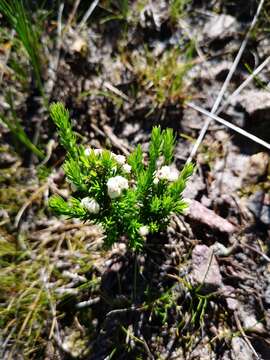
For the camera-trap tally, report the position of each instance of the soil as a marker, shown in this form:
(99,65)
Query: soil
(62,295)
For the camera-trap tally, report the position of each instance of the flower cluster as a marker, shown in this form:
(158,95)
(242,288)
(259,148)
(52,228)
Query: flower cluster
(129,196)
(116,185)
(168,173)
(91,205)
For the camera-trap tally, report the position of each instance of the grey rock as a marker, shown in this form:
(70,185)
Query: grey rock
(205,269)
(257,168)
(267,295)
(202,352)
(153,15)
(194,187)
(228,174)
(240,350)
(259,205)
(198,213)
(249,320)
(221,250)
(6,159)
(254,102)
(220,26)
(229,293)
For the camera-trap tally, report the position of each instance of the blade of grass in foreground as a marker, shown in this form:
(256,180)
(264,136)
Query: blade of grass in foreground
(19,133)
(16,14)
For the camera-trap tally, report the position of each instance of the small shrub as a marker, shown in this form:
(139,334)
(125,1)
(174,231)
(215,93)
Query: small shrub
(128,197)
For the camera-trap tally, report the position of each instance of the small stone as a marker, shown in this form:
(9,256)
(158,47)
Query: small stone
(259,205)
(194,187)
(257,168)
(205,271)
(200,214)
(79,45)
(221,250)
(254,101)
(240,350)
(6,159)
(250,323)
(267,296)
(229,294)
(220,26)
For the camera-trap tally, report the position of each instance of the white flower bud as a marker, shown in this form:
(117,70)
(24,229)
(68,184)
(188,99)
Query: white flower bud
(144,230)
(116,185)
(91,205)
(98,152)
(168,173)
(156,180)
(126,168)
(87,151)
(121,159)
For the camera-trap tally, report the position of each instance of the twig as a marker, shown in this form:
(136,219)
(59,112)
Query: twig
(257,251)
(240,328)
(87,303)
(73,12)
(229,125)
(28,203)
(243,85)
(45,278)
(225,84)
(116,91)
(49,149)
(88,14)
(115,140)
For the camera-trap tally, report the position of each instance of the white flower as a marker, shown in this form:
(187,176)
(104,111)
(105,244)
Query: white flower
(156,180)
(144,230)
(126,168)
(87,151)
(91,205)
(121,159)
(168,173)
(98,151)
(116,185)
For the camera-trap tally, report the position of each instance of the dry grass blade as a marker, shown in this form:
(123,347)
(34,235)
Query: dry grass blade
(229,125)
(88,14)
(225,84)
(244,84)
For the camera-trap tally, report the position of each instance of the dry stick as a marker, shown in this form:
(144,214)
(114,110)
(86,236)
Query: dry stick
(243,85)
(229,125)
(32,198)
(225,84)
(242,332)
(88,14)
(73,13)
(116,91)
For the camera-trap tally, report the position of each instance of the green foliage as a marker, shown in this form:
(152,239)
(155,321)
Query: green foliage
(118,9)
(17,130)
(60,117)
(177,9)
(163,77)
(127,197)
(19,18)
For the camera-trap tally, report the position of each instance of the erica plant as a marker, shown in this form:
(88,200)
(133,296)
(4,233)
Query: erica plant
(129,197)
